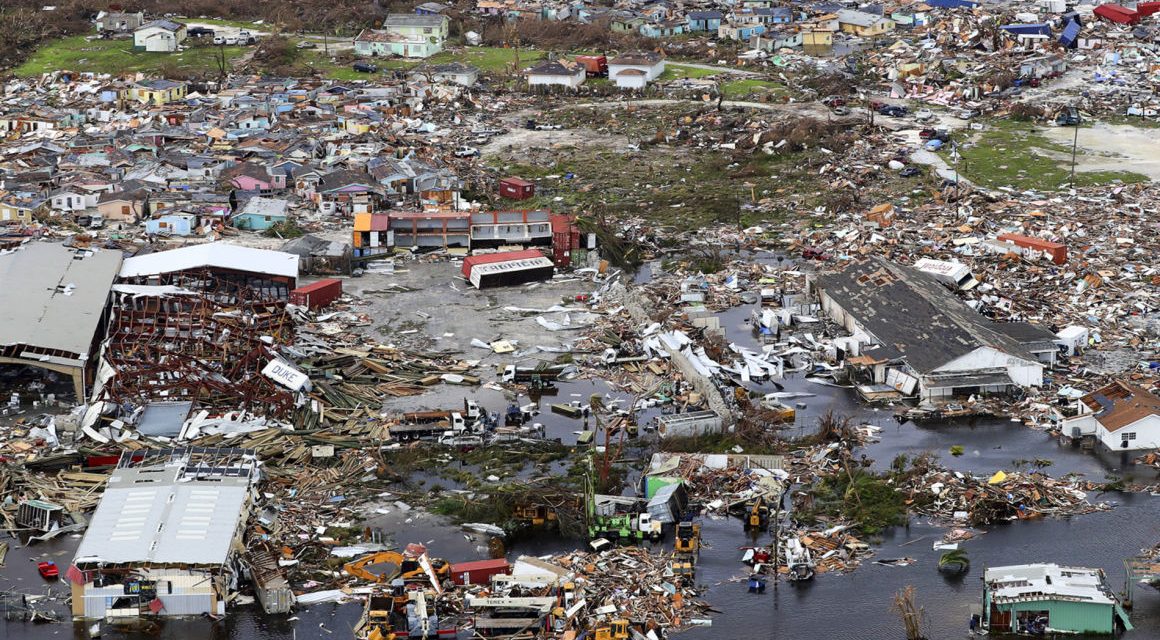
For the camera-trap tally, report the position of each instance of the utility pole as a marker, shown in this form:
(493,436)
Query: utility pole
(1074,143)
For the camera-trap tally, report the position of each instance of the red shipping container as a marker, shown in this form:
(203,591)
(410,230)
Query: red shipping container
(479,571)
(317,295)
(1117,13)
(516,188)
(1147,8)
(1057,251)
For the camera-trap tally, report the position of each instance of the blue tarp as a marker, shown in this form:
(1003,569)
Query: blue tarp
(1043,29)
(1070,34)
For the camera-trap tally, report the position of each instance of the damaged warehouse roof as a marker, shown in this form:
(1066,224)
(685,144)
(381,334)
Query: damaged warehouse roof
(915,317)
(176,506)
(52,304)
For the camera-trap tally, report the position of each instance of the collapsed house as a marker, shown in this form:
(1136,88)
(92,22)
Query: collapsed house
(912,337)
(166,536)
(53,308)
(200,324)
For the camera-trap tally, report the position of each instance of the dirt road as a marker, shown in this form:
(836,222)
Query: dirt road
(1108,147)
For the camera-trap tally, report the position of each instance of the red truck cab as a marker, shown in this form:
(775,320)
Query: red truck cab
(595,66)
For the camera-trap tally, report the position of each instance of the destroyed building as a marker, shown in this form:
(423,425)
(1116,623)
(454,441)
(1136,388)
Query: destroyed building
(200,324)
(53,308)
(165,538)
(915,337)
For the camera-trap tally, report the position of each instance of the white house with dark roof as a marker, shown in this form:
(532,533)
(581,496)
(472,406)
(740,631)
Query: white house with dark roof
(562,73)
(1124,417)
(159,36)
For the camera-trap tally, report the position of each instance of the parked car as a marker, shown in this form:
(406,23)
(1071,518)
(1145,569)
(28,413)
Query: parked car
(219,40)
(893,111)
(543,126)
(98,222)
(841,111)
(200,32)
(834,101)
(967,114)
(924,115)
(812,253)
(48,570)
(365,67)
(306,44)
(245,37)
(910,172)
(1069,117)
(466,152)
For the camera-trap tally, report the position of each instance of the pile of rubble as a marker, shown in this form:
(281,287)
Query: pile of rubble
(952,496)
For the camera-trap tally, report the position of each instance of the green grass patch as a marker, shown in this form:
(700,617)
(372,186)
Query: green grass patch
(490,59)
(1018,155)
(77,53)
(735,89)
(675,71)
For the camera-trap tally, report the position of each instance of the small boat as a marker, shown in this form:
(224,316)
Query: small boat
(48,570)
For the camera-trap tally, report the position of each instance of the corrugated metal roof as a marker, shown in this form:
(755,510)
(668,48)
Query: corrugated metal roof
(162,515)
(214,254)
(53,296)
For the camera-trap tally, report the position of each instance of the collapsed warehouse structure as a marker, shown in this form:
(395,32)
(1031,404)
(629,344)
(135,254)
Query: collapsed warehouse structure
(200,327)
(166,537)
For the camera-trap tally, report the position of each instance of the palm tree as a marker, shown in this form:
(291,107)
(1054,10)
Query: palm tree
(955,561)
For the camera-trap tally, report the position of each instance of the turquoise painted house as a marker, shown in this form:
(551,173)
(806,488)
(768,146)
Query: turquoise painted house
(260,214)
(1041,599)
(705,21)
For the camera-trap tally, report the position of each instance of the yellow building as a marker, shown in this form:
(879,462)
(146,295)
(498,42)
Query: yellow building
(158,91)
(864,25)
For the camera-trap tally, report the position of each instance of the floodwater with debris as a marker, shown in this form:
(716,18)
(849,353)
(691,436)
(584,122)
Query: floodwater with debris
(854,606)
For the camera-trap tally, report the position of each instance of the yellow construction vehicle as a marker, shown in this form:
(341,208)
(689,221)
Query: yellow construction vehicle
(617,630)
(385,566)
(538,514)
(757,516)
(688,540)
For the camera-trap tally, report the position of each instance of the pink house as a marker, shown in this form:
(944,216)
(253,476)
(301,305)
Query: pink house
(253,177)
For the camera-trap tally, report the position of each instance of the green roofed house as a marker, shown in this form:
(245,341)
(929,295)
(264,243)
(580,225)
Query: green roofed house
(1045,598)
(404,34)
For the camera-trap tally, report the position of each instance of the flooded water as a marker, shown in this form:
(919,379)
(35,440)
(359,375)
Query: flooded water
(856,606)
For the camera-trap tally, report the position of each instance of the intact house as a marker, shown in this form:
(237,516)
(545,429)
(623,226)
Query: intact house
(454,72)
(261,213)
(72,200)
(1124,417)
(704,20)
(560,73)
(167,536)
(862,24)
(159,91)
(635,70)
(912,337)
(404,34)
(159,36)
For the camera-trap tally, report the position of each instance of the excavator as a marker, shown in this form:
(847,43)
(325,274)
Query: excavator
(410,566)
(757,514)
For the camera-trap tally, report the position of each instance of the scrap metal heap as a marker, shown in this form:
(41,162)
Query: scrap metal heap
(209,345)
